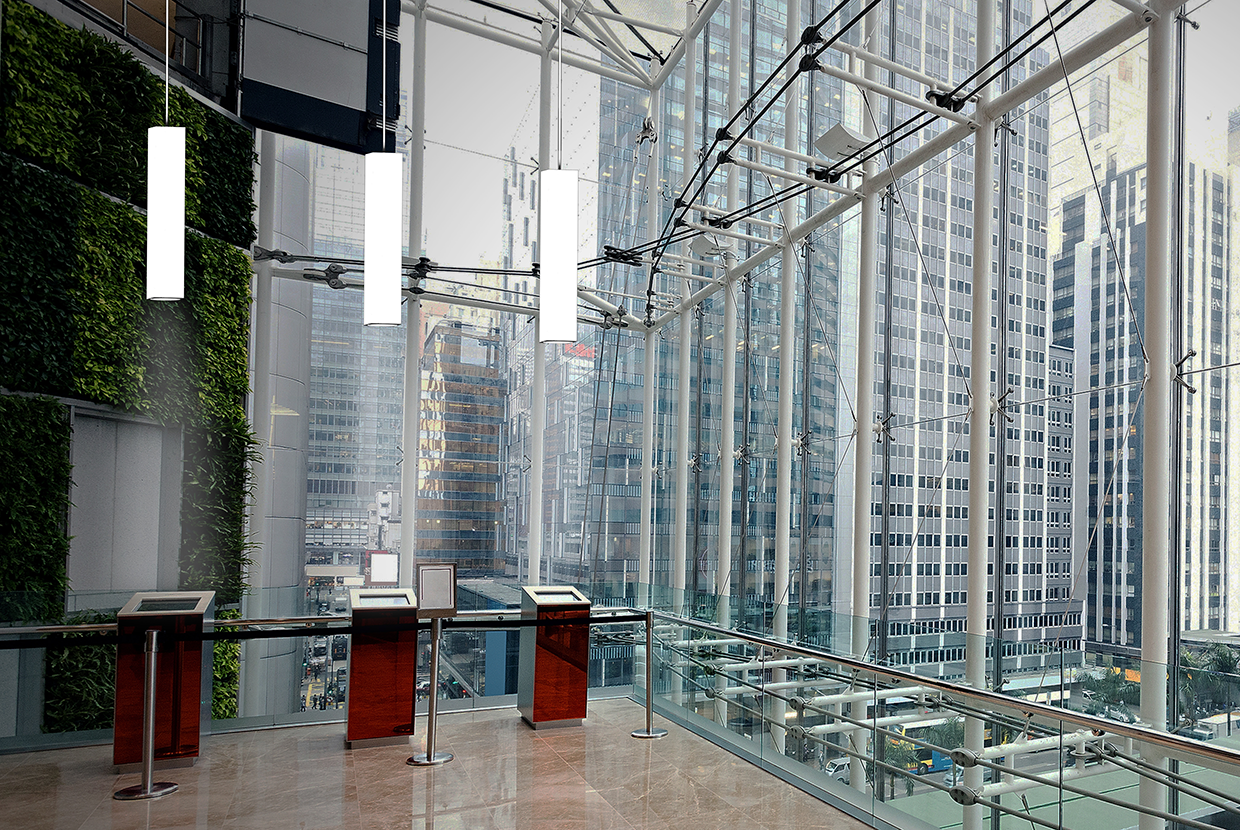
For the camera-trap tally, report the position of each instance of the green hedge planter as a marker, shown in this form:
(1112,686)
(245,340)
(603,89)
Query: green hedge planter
(80,327)
(80,105)
(74,110)
(34,503)
(79,683)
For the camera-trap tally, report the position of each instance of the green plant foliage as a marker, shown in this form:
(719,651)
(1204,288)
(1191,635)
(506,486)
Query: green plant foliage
(42,93)
(100,340)
(79,683)
(227,670)
(80,105)
(123,102)
(107,347)
(216,482)
(38,258)
(34,502)
(74,110)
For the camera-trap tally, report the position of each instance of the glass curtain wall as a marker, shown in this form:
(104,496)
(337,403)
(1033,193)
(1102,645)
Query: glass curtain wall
(1208,602)
(1067,366)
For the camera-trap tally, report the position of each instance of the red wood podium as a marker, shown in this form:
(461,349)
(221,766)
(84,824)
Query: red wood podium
(554,672)
(381,667)
(183,679)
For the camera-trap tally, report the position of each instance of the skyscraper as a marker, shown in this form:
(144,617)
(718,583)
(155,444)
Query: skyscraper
(1099,312)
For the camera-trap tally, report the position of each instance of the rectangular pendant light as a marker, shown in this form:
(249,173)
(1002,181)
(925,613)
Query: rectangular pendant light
(557,256)
(165,213)
(383,224)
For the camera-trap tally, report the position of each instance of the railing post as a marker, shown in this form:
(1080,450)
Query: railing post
(148,788)
(1157,505)
(431,758)
(649,731)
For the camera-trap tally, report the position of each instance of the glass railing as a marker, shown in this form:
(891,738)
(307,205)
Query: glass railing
(273,676)
(905,744)
(900,747)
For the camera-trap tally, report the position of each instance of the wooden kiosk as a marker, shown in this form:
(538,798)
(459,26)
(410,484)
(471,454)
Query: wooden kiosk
(381,667)
(553,676)
(183,676)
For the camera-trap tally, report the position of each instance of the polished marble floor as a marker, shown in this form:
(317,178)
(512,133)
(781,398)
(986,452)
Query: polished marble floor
(505,775)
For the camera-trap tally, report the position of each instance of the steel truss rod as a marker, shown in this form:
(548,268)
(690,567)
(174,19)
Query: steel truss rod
(684,275)
(525,44)
(1040,81)
(772,201)
(678,51)
(788,175)
(607,47)
(776,150)
(894,94)
(890,65)
(1003,53)
(707,210)
(630,21)
(610,309)
(609,43)
(743,237)
(878,145)
(724,133)
(538,21)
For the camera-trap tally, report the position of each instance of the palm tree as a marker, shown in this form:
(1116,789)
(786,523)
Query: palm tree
(1190,676)
(901,754)
(949,734)
(1222,662)
(1111,693)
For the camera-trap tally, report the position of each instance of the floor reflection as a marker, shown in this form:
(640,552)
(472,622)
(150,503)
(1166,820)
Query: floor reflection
(505,775)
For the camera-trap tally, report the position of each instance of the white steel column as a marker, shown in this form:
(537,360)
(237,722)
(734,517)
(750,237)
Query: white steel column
(727,389)
(1156,442)
(787,362)
(645,567)
(979,412)
(252,694)
(538,383)
(646,545)
(411,427)
(863,446)
(787,365)
(727,416)
(684,475)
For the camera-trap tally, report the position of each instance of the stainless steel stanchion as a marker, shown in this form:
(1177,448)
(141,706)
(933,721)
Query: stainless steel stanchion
(649,731)
(430,757)
(148,788)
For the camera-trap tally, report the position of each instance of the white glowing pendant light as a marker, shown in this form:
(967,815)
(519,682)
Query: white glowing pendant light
(165,213)
(381,301)
(165,200)
(382,226)
(557,237)
(557,255)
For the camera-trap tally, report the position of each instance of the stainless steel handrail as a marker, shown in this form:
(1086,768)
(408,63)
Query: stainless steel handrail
(84,628)
(598,615)
(986,699)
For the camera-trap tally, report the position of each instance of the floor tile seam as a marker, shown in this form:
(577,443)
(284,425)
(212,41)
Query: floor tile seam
(471,781)
(769,778)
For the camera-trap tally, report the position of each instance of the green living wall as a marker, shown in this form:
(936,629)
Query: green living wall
(74,111)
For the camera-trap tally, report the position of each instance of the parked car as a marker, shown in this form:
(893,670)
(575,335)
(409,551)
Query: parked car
(838,768)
